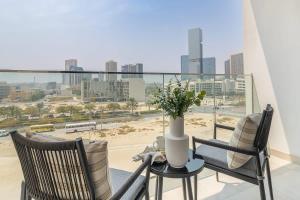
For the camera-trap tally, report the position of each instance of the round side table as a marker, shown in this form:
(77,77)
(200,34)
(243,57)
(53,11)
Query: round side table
(192,168)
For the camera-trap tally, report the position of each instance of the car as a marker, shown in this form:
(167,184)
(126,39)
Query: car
(3,133)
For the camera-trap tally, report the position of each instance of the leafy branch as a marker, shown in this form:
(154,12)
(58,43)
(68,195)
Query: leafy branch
(175,99)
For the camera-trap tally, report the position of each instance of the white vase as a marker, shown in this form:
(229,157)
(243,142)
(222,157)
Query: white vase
(177,143)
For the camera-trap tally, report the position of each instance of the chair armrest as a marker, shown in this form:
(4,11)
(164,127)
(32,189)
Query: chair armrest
(252,152)
(224,127)
(146,165)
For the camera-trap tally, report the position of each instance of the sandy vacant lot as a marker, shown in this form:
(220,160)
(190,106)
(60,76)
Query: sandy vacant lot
(125,140)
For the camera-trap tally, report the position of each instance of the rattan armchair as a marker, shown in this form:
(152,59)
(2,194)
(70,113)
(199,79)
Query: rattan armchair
(59,171)
(214,153)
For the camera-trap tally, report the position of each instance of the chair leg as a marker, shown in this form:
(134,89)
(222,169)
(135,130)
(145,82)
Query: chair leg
(23,191)
(262,190)
(260,178)
(147,196)
(184,188)
(269,179)
(24,194)
(217,176)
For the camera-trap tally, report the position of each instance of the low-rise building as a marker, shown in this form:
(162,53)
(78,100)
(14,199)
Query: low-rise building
(120,90)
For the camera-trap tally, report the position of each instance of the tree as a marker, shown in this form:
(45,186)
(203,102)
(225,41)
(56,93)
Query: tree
(113,106)
(3,111)
(14,111)
(73,109)
(37,95)
(40,107)
(132,104)
(31,110)
(90,106)
(61,109)
(149,102)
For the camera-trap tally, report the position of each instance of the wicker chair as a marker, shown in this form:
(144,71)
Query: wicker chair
(214,153)
(46,165)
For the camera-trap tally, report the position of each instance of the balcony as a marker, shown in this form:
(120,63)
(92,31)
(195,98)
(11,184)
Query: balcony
(32,99)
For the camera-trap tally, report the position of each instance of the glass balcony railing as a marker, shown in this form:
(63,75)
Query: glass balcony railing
(114,107)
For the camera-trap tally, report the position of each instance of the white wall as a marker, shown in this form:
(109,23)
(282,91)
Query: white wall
(272,54)
(137,89)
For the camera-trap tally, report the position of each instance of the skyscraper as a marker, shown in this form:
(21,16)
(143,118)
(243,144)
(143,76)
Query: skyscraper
(209,65)
(72,79)
(184,67)
(195,50)
(192,63)
(237,64)
(234,66)
(131,68)
(111,66)
(227,66)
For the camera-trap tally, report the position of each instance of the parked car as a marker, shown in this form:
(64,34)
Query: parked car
(3,133)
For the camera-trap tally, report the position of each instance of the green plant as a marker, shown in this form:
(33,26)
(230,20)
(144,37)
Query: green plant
(132,104)
(113,106)
(175,99)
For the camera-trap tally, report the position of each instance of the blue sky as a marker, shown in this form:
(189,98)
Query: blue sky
(41,34)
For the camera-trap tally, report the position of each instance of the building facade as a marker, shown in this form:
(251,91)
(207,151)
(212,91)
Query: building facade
(195,51)
(234,66)
(192,63)
(184,59)
(111,66)
(227,67)
(115,91)
(209,65)
(70,79)
(132,68)
(237,64)
(103,91)
(4,90)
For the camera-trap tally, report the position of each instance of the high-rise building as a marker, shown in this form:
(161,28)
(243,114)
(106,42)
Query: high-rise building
(192,63)
(237,64)
(184,67)
(195,50)
(4,90)
(111,66)
(137,68)
(72,79)
(227,66)
(234,66)
(209,65)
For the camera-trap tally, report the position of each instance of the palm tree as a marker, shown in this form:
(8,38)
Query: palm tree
(132,104)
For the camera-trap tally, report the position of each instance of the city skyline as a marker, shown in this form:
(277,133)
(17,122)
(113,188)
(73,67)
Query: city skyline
(125,31)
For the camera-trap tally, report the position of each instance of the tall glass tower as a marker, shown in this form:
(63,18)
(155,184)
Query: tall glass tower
(195,51)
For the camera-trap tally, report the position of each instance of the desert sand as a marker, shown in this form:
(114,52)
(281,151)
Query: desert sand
(125,140)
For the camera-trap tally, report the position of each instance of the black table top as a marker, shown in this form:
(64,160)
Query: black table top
(193,167)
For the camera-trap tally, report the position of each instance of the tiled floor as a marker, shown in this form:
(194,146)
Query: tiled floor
(286,182)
